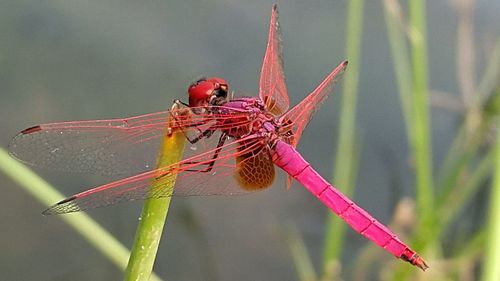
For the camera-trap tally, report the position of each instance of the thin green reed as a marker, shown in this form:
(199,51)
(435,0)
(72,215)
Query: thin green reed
(298,251)
(421,144)
(491,270)
(396,32)
(345,163)
(411,73)
(154,214)
(415,103)
(467,164)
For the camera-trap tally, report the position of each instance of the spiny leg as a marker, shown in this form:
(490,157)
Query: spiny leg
(176,107)
(210,164)
(204,135)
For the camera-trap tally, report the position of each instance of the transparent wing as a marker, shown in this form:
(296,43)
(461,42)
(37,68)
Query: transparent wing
(190,176)
(272,87)
(115,146)
(297,118)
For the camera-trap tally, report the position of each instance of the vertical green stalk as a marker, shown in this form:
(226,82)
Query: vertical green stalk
(154,214)
(420,135)
(414,98)
(452,207)
(491,270)
(400,59)
(421,144)
(344,164)
(302,260)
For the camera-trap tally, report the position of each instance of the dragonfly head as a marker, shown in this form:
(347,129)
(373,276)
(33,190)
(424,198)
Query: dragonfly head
(208,91)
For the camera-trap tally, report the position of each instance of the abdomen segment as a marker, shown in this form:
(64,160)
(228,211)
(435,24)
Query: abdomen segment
(287,158)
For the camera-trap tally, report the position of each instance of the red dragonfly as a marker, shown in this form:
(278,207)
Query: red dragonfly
(236,144)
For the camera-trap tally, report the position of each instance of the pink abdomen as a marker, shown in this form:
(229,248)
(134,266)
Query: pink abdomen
(286,157)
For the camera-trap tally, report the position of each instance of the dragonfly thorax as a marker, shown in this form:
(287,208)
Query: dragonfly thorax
(253,117)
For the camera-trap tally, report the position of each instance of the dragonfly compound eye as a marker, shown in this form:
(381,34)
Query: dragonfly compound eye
(219,95)
(211,91)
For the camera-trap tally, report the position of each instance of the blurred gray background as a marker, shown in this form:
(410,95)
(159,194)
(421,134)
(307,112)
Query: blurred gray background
(74,60)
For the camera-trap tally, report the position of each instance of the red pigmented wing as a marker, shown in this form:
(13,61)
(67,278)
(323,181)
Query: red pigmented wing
(189,177)
(115,146)
(299,116)
(272,87)
(95,146)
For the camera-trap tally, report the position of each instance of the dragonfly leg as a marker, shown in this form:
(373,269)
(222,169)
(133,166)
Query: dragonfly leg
(176,110)
(210,164)
(203,135)
(177,103)
(176,107)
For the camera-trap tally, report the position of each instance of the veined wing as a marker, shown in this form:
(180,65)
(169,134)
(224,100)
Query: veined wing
(272,87)
(190,177)
(114,146)
(299,116)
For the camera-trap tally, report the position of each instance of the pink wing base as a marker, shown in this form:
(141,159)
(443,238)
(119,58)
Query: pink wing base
(287,158)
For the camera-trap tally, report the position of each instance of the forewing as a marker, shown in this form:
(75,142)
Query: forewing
(272,87)
(115,146)
(296,120)
(189,175)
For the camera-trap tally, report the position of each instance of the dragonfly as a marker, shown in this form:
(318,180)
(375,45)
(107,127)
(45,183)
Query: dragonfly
(236,143)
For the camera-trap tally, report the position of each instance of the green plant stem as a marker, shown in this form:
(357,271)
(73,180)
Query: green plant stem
(464,147)
(449,210)
(491,74)
(301,258)
(95,234)
(453,175)
(451,165)
(344,164)
(421,144)
(474,246)
(453,195)
(154,214)
(400,60)
(417,114)
(491,270)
